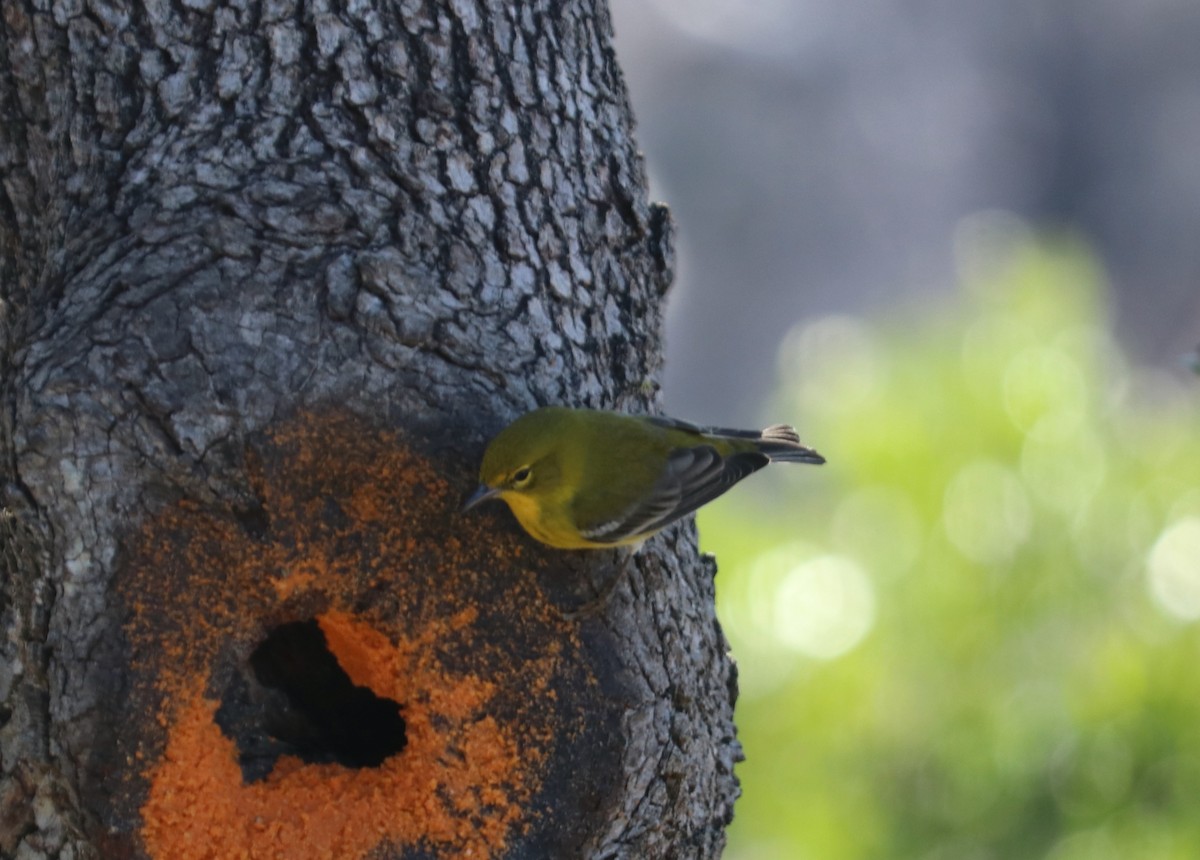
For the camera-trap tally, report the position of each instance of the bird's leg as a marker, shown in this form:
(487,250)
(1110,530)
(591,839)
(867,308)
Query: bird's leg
(597,603)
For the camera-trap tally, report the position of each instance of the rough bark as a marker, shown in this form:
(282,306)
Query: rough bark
(219,219)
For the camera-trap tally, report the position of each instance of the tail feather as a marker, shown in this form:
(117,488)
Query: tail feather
(782,443)
(781,433)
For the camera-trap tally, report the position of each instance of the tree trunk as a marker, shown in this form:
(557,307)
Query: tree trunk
(272,273)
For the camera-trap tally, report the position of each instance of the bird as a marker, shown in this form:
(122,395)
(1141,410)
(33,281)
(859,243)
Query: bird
(596,479)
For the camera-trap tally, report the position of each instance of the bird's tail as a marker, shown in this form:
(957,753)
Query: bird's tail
(782,443)
(778,442)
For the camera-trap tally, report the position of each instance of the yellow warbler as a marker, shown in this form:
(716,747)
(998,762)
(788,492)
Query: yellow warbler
(591,479)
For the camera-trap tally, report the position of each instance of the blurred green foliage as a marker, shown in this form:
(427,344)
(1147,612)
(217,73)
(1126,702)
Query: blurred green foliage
(971,635)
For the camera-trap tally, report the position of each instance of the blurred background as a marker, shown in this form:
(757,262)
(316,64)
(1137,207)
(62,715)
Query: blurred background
(958,244)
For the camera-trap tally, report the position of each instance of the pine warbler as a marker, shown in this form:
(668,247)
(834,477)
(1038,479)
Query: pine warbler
(590,479)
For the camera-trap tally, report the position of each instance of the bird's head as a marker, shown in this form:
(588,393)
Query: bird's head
(523,462)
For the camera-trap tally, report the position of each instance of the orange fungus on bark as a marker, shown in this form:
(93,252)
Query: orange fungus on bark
(358,532)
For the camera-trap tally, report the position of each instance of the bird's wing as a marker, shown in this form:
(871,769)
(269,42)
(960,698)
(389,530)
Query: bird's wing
(692,477)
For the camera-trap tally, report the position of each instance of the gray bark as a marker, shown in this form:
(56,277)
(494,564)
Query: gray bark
(217,216)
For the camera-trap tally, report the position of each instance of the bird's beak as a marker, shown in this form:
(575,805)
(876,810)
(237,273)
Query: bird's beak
(479,496)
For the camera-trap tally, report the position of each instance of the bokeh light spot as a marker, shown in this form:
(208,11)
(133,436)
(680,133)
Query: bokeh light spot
(823,607)
(987,514)
(1174,569)
(1044,389)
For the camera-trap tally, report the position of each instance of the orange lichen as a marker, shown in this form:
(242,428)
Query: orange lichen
(357,533)
(199,808)
(296,582)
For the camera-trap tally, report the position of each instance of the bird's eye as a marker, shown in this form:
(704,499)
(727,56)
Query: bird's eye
(521,476)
